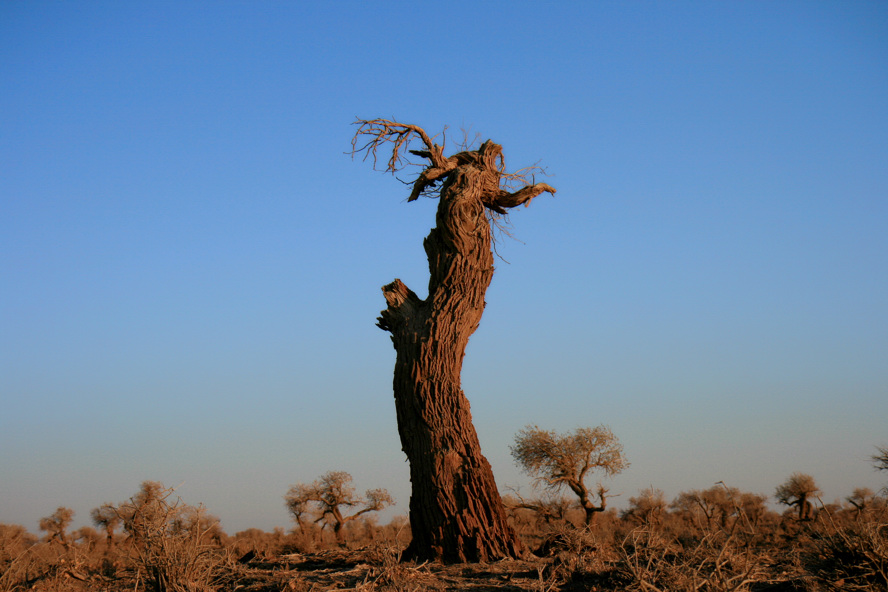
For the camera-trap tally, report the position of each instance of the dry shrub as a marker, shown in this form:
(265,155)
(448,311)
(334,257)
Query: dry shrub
(583,555)
(719,561)
(171,544)
(848,554)
(309,538)
(257,543)
(21,571)
(15,544)
(26,564)
(388,571)
(397,532)
(390,574)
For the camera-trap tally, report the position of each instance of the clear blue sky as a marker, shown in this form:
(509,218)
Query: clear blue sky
(191,266)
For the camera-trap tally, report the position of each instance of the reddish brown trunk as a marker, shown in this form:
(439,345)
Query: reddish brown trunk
(456,513)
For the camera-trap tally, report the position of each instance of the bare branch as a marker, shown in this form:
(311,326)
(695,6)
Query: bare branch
(880,459)
(378,132)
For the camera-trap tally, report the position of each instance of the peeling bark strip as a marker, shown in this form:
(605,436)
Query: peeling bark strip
(456,514)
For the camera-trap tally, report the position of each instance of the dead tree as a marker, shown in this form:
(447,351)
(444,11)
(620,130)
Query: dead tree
(456,514)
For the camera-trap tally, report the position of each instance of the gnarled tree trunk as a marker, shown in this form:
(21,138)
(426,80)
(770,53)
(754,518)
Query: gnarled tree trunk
(456,514)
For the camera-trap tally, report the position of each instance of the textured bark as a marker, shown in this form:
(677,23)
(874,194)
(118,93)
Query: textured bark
(456,514)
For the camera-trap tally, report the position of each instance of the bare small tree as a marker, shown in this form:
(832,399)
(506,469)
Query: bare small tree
(566,461)
(860,499)
(719,505)
(107,518)
(299,501)
(56,525)
(329,495)
(797,491)
(713,505)
(456,513)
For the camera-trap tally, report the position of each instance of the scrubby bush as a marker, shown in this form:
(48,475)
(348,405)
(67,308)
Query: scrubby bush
(15,543)
(174,547)
(848,552)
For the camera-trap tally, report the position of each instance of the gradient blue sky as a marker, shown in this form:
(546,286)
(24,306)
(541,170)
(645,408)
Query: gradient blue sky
(191,265)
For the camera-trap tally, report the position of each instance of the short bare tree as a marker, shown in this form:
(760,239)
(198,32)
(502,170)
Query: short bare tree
(709,506)
(797,491)
(566,461)
(719,505)
(329,496)
(299,500)
(860,499)
(56,525)
(108,519)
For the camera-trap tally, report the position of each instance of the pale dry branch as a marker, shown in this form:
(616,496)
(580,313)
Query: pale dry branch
(379,132)
(467,144)
(521,177)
